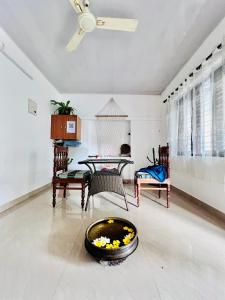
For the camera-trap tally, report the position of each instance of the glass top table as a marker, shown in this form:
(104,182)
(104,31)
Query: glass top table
(121,163)
(106,180)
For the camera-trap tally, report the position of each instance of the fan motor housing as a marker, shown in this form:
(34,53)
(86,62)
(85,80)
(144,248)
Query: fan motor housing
(87,22)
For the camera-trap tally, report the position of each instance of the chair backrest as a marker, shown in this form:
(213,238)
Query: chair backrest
(60,159)
(164,158)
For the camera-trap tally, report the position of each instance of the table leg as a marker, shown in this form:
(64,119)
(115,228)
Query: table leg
(125,198)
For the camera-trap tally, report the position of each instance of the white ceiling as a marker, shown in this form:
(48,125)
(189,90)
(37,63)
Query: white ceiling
(169,32)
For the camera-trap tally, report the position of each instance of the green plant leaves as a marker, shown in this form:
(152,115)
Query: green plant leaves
(63,108)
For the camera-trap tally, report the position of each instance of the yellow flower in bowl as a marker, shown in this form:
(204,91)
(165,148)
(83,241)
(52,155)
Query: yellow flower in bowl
(101,242)
(130,235)
(98,244)
(110,221)
(116,243)
(109,246)
(126,240)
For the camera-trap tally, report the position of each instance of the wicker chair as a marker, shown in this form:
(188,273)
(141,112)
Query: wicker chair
(151,183)
(109,181)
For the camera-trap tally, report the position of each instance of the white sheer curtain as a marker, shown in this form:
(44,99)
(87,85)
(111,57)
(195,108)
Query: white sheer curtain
(197,113)
(180,123)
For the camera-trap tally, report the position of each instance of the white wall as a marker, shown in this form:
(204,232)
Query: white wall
(26,152)
(195,177)
(144,113)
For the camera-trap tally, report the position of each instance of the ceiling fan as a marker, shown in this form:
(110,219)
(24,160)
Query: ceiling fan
(88,22)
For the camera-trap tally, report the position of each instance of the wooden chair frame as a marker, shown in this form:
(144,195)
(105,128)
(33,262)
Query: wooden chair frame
(153,184)
(61,164)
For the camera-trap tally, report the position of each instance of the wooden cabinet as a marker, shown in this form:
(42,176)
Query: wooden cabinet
(65,127)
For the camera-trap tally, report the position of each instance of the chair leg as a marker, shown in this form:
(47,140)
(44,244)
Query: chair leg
(168,196)
(125,198)
(138,187)
(53,195)
(64,191)
(159,193)
(82,194)
(87,202)
(135,188)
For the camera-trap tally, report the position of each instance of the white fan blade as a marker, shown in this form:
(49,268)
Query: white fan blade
(77,5)
(75,41)
(116,24)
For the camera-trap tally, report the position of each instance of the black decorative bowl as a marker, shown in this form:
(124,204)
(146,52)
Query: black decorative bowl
(113,229)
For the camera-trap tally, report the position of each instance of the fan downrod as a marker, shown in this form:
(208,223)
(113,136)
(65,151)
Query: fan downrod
(86,3)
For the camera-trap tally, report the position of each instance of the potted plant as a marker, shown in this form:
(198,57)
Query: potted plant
(63,108)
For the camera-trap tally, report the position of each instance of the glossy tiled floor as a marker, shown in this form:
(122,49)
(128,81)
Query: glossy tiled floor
(181,254)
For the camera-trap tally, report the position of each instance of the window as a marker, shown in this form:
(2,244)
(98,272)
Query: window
(181,132)
(218,114)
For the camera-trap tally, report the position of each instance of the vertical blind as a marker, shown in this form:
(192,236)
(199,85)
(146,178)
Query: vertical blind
(197,113)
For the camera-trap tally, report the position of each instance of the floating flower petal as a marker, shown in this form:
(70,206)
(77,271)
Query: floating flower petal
(110,221)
